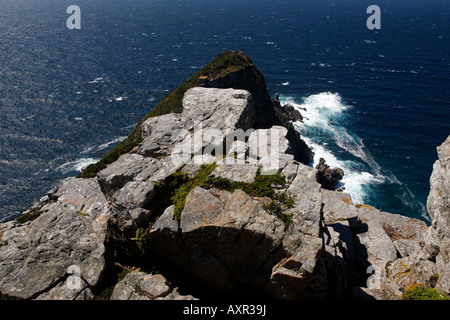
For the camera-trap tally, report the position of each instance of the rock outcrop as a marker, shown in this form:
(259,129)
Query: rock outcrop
(138,285)
(438,237)
(65,243)
(328,177)
(220,192)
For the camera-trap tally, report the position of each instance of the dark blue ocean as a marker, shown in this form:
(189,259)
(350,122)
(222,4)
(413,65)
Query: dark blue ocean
(377,101)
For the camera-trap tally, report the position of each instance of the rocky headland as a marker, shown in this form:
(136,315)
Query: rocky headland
(173,215)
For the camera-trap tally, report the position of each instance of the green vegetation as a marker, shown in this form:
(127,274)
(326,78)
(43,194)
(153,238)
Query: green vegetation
(141,238)
(278,206)
(224,63)
(422,293)
(177,186)
(106,293)
(32,214)
(182,185)
(29,216)
(434,279)
(263,186)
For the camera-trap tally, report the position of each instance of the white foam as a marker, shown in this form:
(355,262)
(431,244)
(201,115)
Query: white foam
(96,80)
(105,145)
(322,130)
(322,114)
(354,181)
(76,165)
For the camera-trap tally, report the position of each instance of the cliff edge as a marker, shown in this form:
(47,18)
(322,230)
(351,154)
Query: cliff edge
(212,196)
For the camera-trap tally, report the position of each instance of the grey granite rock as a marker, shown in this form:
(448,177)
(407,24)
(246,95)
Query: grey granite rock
(68,234)
(138,285)
(438,205)
(227,240)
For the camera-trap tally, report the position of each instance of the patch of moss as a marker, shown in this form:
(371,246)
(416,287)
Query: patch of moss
(433,279)
(263,186)
(278,207)
(175,188)
(107,292)
(226,62)
(179,195)
(141,238)
(422,293)
(31,214)
(122,275)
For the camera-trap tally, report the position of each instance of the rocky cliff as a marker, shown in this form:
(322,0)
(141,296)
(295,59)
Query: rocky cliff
(212,196)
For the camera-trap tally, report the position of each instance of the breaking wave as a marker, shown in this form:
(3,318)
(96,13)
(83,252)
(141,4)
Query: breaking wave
(323,128)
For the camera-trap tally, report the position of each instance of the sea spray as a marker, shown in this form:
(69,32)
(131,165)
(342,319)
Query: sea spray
(324,128)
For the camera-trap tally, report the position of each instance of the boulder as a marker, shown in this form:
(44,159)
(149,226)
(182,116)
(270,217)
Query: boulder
(67,238)
(138,285)
(328,177)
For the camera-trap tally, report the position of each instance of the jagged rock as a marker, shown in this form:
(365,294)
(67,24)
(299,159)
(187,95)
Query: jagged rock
(327,177)
(73,288)
(135,194)
(208,115)
(308,203)
(138,285)
(155,286)
(124,170)
(407,247)
(303,274)
(438,205)
(68,234)
(374,241)
(410,271)
(227,240)
(239,172)
(221,109)
(157,134)
(290,171)
(289,111)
